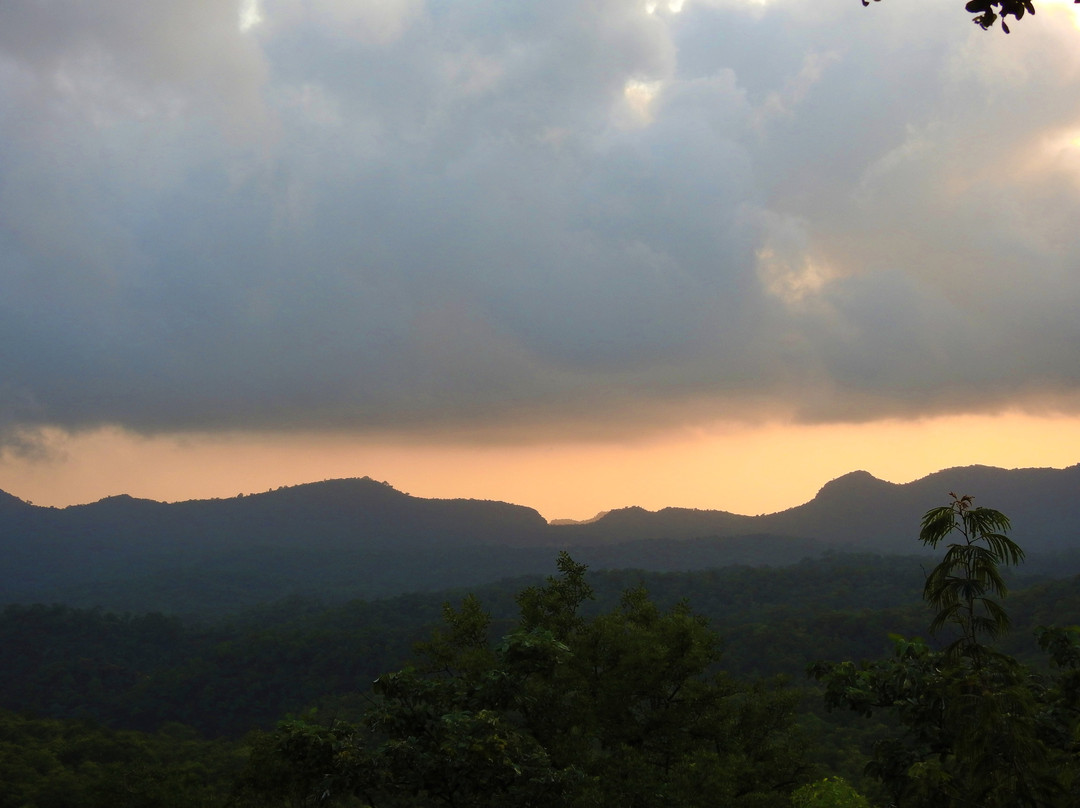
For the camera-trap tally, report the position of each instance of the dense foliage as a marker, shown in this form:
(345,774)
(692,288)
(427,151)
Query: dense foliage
(92,676)
(47,763)
(230,676)
(227,677)
(622,708)
(975,726)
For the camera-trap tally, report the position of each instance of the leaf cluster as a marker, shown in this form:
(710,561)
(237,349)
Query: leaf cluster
(987,12)
(964,585)
(830,792)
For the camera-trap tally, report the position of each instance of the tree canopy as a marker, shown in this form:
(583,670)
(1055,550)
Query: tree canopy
(625,708)
(975,726)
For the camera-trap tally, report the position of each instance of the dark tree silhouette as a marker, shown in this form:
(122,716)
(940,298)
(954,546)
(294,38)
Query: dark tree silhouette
(987,12)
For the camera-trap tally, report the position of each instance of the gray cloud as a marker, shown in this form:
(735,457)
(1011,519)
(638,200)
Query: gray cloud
(407,215)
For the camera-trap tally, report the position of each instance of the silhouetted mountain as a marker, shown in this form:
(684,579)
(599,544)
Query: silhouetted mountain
(359,537)
(863,512)
(858,509)
(629,524)
(269,543)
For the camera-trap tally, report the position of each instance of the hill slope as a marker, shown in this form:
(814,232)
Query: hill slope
(860,511)
(359,537)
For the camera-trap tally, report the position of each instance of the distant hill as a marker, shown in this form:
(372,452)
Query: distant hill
(862,512)
(360,537)
(858,509)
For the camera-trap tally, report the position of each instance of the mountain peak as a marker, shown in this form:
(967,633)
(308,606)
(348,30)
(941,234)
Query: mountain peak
(851,485)
(858,477)
(345,489)
(618,516)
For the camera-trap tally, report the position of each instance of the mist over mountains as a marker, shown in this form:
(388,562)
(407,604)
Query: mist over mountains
(363,538)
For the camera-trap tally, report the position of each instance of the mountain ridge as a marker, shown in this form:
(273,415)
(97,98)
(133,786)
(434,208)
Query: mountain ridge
(361,537)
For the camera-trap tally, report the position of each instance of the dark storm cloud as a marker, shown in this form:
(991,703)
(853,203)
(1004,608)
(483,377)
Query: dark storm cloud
(405,214)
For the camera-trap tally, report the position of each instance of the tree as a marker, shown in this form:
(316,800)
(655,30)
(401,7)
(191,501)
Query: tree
(965,586)
(987,12)
(623,708)
(976,727)
(832,792)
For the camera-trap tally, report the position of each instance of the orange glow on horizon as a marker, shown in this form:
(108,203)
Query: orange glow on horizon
(721,466)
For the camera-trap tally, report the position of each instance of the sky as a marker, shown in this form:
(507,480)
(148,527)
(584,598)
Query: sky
(576,255)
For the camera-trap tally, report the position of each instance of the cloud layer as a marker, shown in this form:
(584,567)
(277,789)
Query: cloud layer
(417,215)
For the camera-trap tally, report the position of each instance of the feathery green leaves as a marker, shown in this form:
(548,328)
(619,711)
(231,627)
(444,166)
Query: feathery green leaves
(963,587)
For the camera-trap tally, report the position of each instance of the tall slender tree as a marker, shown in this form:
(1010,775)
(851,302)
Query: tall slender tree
(976,727)
(967,586)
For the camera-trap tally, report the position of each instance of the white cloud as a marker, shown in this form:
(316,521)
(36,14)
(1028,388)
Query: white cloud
(250,14)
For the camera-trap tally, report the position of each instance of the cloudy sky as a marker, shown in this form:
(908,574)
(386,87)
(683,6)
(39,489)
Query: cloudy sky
(577,254)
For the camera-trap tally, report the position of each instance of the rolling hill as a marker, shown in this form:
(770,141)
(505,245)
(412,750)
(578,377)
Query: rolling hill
(360,537)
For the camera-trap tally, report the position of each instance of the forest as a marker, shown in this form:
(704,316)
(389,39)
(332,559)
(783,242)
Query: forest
(816,683)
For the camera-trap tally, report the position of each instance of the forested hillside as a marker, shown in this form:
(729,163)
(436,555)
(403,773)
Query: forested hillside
(628,707)
(144,707)
(344,539)
(227,676)
(223,678)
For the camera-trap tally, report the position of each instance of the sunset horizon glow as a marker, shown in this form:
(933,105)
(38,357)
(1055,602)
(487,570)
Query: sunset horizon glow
(735,468)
